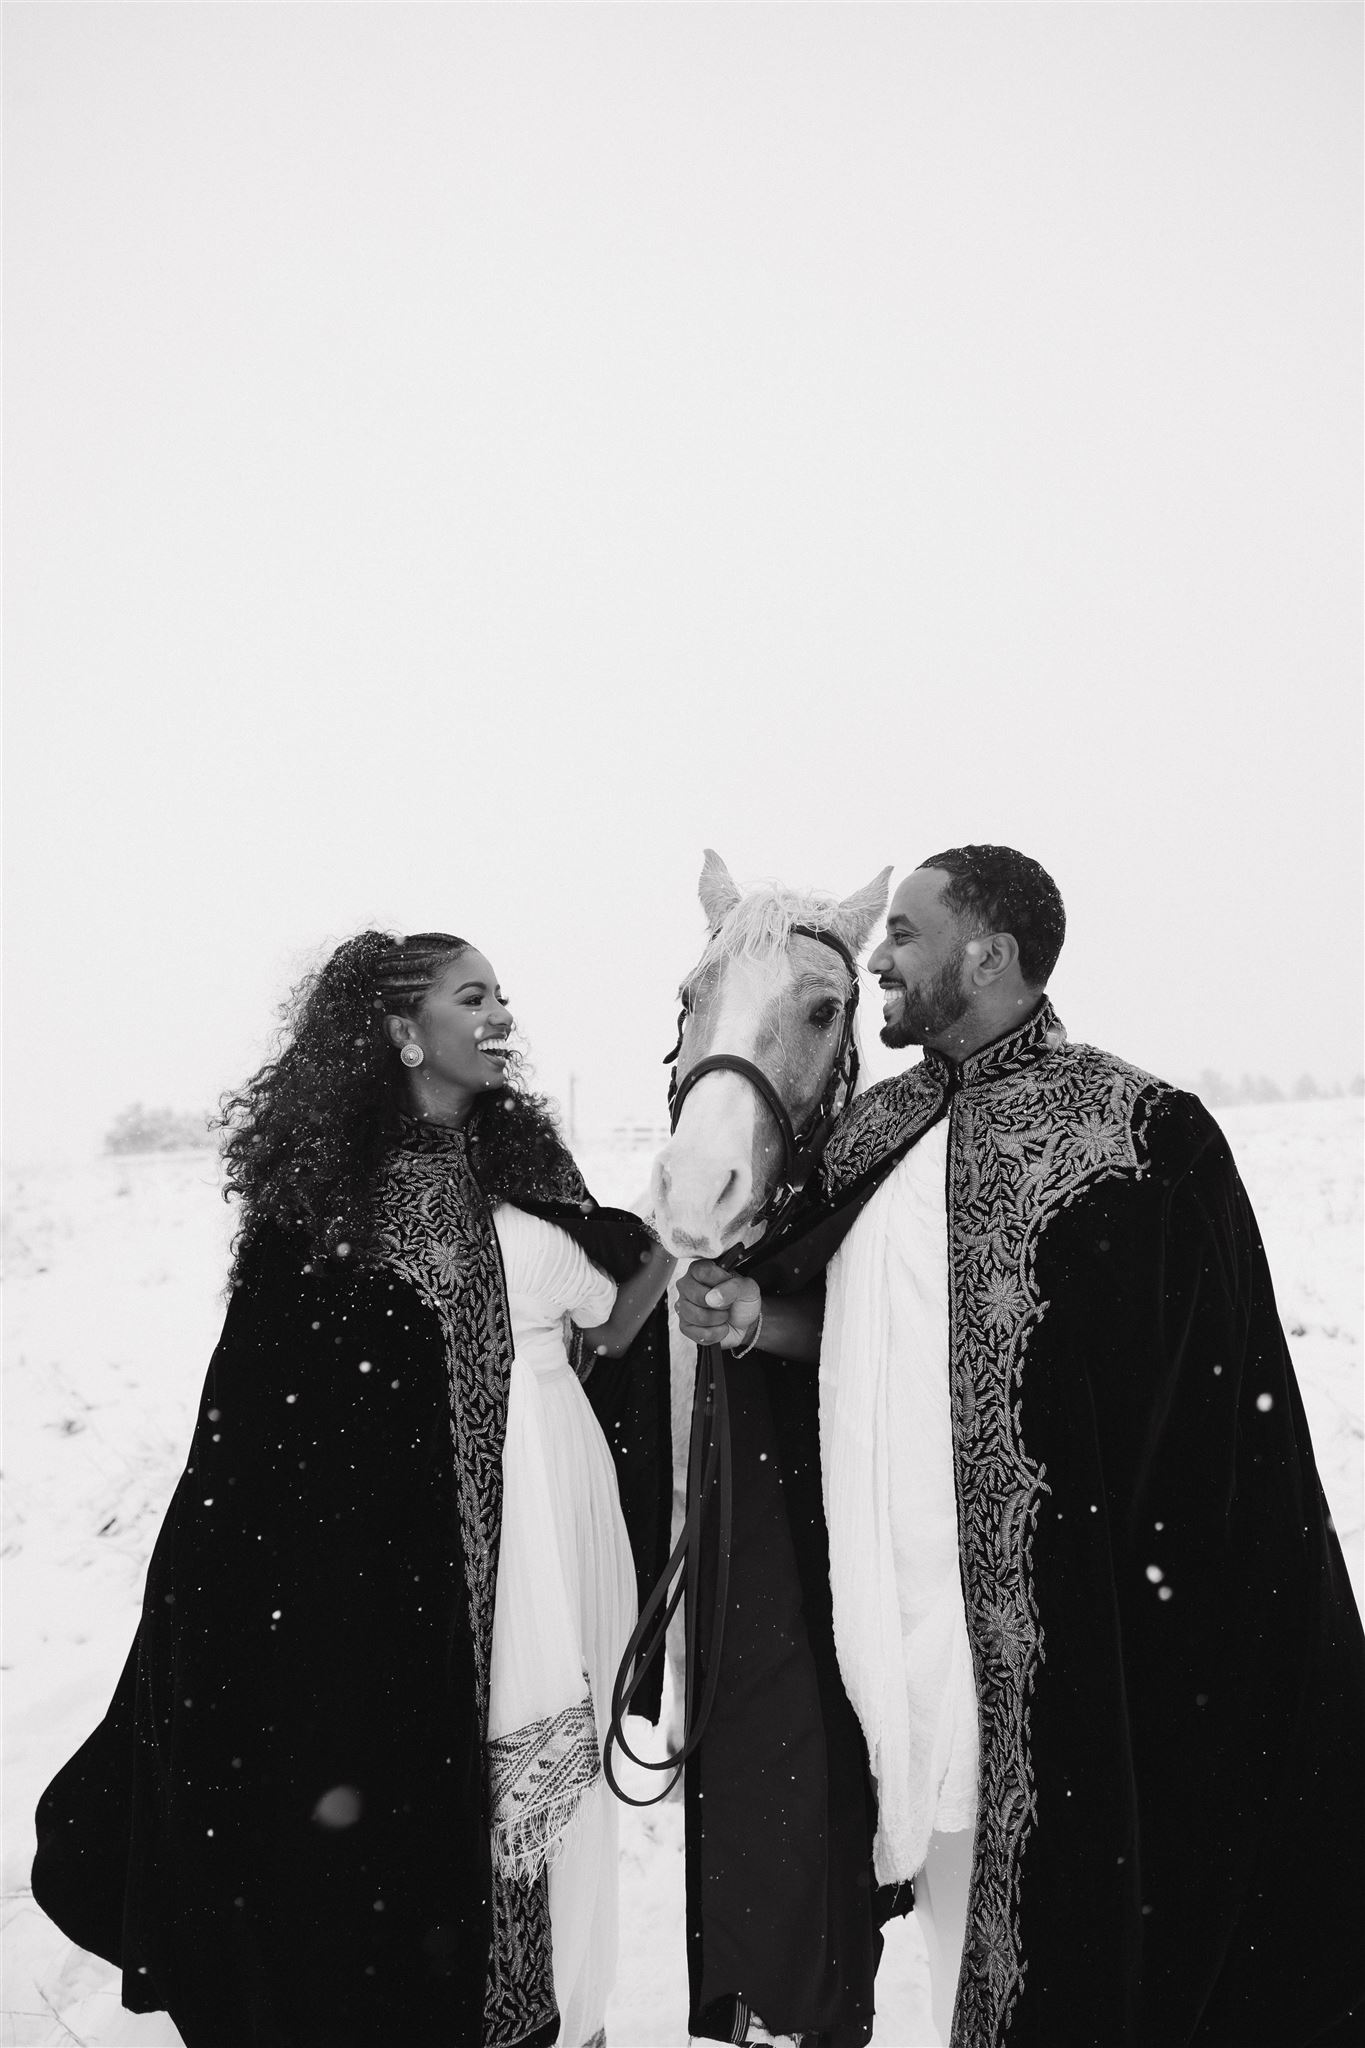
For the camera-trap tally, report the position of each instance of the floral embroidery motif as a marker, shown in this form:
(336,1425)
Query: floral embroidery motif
(1034,1122)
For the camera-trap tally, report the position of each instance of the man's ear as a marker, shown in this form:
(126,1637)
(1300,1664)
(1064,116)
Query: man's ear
(992,957)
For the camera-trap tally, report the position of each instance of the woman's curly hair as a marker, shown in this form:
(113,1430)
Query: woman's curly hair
(307,1135)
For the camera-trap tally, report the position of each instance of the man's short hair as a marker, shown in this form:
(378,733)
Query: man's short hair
(1007,892)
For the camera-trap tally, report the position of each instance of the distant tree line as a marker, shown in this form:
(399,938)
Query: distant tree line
(1217,1092)
(159,1130)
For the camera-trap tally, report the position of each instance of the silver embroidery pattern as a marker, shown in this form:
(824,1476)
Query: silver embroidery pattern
(878,1120)
(1034,1122)
(435,1232)
(1024,1146)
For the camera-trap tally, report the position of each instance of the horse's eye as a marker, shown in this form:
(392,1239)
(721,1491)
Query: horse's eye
(824,1013)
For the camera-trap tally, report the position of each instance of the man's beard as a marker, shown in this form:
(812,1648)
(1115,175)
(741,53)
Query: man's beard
(927,1012)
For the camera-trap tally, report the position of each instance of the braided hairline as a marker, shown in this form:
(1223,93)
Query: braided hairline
(405,972)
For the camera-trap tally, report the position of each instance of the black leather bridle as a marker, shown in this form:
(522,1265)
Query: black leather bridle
(709,1466)
(800,1155)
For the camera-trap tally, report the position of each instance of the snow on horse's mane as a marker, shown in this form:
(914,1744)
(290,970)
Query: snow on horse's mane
(760,923)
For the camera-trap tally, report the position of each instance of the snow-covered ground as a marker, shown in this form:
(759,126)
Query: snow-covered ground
(115,1298)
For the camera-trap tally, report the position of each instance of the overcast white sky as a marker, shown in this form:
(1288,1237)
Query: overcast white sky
(465,459)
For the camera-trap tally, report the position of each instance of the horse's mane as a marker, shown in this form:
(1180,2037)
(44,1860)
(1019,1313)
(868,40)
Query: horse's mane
(760,923)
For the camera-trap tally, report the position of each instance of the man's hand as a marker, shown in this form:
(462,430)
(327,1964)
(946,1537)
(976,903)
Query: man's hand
(716,1307)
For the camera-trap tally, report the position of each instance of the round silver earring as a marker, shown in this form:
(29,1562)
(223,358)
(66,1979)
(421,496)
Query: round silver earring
(411,1055)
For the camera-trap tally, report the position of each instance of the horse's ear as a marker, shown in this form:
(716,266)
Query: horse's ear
(717,891)
(856,915)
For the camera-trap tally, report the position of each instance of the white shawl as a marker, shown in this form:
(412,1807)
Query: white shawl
(886,1454)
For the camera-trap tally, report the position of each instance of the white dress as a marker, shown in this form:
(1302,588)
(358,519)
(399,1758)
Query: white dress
(555,1458)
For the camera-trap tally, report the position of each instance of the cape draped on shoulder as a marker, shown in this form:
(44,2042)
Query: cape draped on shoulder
(279,1831)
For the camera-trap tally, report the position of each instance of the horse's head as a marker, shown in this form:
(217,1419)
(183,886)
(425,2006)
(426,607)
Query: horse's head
(767,995)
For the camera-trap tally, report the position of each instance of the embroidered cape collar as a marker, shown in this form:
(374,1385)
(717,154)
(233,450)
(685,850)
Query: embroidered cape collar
(882,1124)
(1040,1034)
(547,1180)
(420,1134)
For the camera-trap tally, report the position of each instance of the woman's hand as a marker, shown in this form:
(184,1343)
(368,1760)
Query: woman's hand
(716,1307)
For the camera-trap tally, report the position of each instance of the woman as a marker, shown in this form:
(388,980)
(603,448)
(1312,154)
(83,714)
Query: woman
(349,1788)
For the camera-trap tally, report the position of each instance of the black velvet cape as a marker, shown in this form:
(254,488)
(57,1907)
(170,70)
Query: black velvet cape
(279,1831)
(1170,1668)
(784,1915)
(784,1912)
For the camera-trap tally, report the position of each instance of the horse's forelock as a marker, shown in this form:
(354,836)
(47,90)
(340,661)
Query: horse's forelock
(760,925)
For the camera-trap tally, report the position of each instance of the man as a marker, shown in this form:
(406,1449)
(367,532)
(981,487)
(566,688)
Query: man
(1088,1602)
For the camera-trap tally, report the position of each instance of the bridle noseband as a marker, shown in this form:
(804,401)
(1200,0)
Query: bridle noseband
(800,1154)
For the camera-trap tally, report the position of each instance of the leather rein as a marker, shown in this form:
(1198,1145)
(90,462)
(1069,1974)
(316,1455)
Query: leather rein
(709,1473)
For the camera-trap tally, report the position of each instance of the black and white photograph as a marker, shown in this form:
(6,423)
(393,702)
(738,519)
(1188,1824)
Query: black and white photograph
(685,1081)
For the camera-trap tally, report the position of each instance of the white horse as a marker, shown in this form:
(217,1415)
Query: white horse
(768,995)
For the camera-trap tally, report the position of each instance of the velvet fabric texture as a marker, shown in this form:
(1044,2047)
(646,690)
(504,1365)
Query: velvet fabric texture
(1169,1660)
(279,1831)
(783,1914)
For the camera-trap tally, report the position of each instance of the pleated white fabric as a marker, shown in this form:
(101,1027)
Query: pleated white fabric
(564,1548)
(887,1456)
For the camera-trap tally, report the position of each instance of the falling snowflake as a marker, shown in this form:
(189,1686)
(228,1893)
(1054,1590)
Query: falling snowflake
(339,1808)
